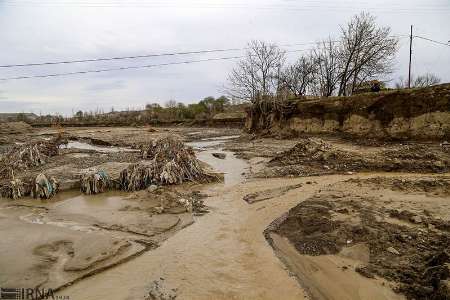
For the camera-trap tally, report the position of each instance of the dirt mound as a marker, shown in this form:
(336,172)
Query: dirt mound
(434,186)
(14,128)
(416,258)
(319,157)
(169,162)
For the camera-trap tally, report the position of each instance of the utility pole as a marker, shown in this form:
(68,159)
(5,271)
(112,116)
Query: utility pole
(410,56)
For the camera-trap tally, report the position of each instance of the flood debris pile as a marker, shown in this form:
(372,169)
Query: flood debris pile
(168,161)
(28,155)
(13,189)
(24,157)
(313,156)
(44,187)
(94,182)
(415,258)
(41,186)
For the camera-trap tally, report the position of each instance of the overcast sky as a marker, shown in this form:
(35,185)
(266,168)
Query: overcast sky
(52,30)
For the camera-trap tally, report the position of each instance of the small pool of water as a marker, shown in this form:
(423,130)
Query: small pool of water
(210,142)
(232,167)
(86,146)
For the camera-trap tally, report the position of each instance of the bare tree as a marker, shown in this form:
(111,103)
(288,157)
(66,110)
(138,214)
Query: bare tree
(298,77)
(401,83)
(327,72)
(256,75)
(425,80)
(367,51)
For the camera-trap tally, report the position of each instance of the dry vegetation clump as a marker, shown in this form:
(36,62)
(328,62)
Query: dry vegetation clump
(13,189)
(169,161)
(41,186)
(94,182)
(22,157)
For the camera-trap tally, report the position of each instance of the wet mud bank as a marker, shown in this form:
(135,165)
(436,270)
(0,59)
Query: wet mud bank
(371,236)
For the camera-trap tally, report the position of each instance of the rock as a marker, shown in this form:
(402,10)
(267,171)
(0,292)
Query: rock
(349,173)
(186,203)
(393,251)
(152,188)
(219,155)
(364,271)
(159,209)
(326,167)
(416,219)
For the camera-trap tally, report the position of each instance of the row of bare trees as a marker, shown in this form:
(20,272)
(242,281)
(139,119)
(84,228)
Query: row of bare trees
(363,52)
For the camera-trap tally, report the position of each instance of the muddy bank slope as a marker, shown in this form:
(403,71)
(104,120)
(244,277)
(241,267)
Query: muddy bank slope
(383,238)
(401,114)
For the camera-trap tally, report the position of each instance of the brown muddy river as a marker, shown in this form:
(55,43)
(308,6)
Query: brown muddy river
(223,255)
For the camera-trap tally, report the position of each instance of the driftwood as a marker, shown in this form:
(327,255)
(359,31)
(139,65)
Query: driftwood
(169,161)
(94,182)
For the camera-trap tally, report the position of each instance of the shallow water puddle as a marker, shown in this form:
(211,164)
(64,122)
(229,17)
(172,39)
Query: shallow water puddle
(205,143)
(86,146)
(232,167)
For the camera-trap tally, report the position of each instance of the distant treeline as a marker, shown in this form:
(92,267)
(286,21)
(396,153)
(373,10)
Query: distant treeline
(152,113)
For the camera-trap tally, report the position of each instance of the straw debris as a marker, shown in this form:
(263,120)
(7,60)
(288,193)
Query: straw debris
(22,157)
(41,186)
(169,161)
(44,187)
(94,182)
(13,189)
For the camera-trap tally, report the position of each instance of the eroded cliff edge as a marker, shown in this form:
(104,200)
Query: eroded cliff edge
(398,114)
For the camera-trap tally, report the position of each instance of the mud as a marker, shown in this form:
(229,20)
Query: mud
(349,232)
(74,236)
(314,156)
(406,236)
(269,194)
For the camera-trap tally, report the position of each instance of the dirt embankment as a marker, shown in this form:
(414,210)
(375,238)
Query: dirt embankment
(373,233)
(314,156)
(401,114)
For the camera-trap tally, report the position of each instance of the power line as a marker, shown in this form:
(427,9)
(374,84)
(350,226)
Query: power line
(139,56)
(431,40)
(131,67)
(118,69)
(146,66)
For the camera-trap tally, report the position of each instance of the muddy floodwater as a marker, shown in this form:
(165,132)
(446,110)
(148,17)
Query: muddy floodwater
(223,255)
